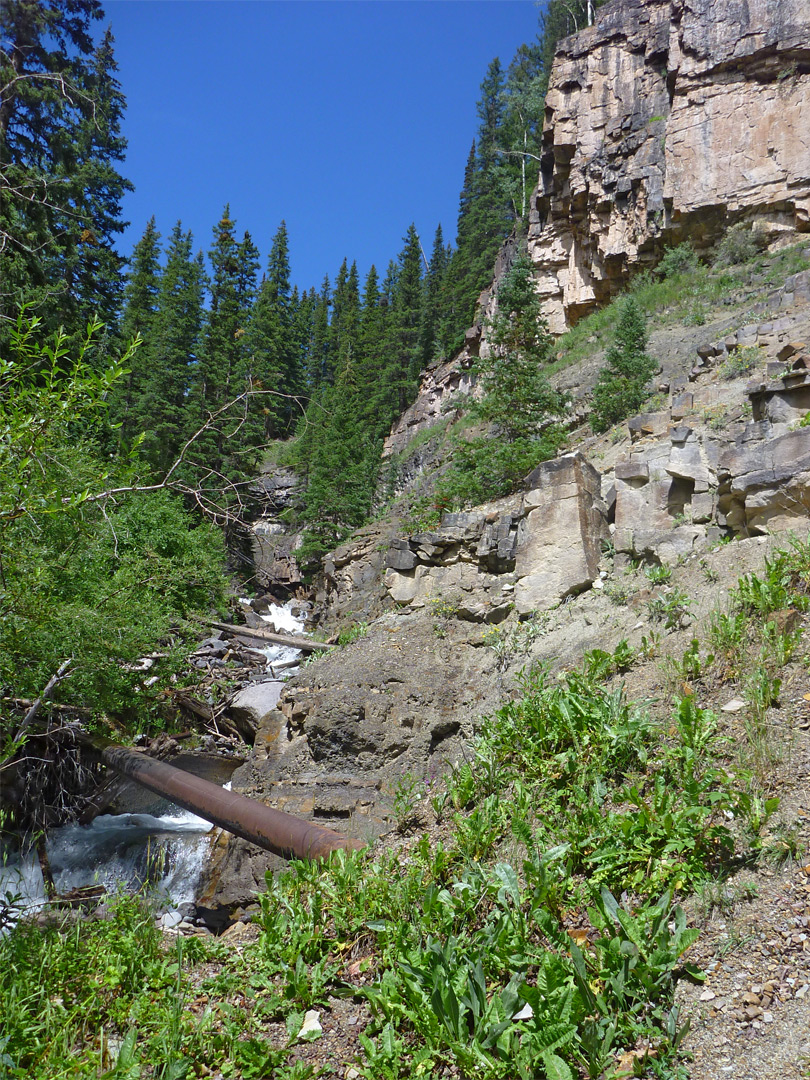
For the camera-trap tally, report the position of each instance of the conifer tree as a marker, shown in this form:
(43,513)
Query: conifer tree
(515,400)
(434,315)
(140,309)
(621,387)
(161,413)
(90,264)
(223,372)
(60,145)
(274,345)
(399,378)
(320,362)
(344,324)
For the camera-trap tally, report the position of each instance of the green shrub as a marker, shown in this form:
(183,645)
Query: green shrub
(741,243)
(93,568)
(678,260)
(741,362)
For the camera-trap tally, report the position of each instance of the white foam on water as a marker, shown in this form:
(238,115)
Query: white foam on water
(282,618)
(117,851)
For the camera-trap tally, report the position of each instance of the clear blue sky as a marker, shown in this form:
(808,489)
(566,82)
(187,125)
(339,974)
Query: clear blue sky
(348,120)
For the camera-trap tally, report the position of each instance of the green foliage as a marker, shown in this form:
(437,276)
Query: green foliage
(741,362)
(659,575)
(670,607)
(678,260)
(93,570)
(741,243)
(621,387)
(463,949)
(60,144)
(354,633)
(516,400)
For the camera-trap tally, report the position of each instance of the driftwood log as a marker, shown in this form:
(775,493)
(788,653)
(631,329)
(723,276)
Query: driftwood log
(304,644)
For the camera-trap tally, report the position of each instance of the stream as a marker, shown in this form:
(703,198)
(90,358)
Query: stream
(164,849)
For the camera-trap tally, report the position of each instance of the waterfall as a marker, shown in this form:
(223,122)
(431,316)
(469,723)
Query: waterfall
(118,851)
(164,850)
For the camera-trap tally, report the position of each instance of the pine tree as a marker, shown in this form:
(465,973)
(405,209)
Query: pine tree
(90,264)
(434,313)
(161,412)
(516,400)
(621,387)
(320,361)
(223,372)
(399,377)
(60,112)
(344,324)
(273,342)
(486,212)
(140,309)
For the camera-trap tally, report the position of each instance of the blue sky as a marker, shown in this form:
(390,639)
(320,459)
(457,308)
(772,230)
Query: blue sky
(347,119)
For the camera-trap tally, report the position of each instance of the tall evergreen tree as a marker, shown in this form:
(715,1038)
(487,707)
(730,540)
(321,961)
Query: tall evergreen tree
(223,372)
(140,308)
(621,387)
(60,144)
(400,375)
(275,343)
(516,400)
(161,413)
(320,361)
(90,263)
(434,314)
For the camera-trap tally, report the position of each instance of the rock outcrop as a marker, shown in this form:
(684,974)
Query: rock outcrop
(668,120)
(274,543)
(528,552)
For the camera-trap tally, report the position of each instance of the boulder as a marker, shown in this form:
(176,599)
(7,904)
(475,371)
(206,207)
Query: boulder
(765,483)
(251,706)
(559,539)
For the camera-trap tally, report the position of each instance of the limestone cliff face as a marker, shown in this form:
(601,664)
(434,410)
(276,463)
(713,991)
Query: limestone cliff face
(667,120)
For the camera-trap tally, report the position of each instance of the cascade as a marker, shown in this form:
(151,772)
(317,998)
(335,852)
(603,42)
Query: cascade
(164,850)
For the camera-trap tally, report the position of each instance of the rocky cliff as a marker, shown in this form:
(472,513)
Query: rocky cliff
(668,120)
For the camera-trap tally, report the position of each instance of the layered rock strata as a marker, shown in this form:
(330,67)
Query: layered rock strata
(668,120)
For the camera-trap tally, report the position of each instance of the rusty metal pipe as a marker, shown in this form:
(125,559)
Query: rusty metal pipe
(284,835)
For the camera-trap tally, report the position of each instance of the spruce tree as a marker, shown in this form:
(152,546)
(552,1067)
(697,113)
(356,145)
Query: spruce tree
(162,410)
(223,373)
(516,401)
(140,309)
(434,313)
(400,375)
(621,387)
(274,344)
(60,146)
(90,264)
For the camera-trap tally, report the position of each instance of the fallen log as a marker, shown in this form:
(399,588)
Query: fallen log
(283,834)
(304,644)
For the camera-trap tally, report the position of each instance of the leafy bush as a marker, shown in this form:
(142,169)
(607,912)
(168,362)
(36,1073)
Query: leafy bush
(741,243)
(678,260)
(93,570)
(741,362)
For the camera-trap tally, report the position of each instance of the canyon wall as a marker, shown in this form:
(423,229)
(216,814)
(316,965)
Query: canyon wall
(668,120)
